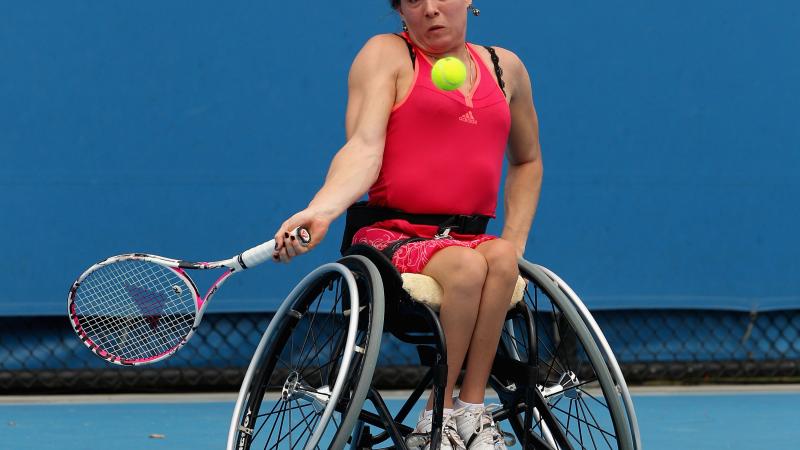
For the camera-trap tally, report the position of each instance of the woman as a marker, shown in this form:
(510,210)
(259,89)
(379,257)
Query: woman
(426,151)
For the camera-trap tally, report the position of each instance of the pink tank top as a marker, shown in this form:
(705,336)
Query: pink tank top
(444,150)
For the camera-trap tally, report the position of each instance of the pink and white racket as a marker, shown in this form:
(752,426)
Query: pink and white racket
(137,308)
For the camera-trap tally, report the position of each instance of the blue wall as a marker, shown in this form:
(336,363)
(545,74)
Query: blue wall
(192,129)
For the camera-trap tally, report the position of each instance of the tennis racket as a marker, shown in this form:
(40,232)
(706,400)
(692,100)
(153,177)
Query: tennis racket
(137,308)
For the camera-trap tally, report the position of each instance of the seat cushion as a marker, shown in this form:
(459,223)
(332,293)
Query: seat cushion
(425,289)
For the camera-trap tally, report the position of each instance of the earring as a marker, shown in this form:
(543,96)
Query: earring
(405,27)
(475,11)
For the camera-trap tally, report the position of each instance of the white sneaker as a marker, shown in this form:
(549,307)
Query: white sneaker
(420,438)
(477,428)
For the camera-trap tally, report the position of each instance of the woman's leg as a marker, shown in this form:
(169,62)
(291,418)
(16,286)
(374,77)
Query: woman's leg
(461,272)
(501,277)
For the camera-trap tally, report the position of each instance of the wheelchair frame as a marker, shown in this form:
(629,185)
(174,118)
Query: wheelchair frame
(526,403)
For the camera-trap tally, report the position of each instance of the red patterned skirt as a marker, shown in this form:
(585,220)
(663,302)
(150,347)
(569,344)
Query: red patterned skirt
(413,256)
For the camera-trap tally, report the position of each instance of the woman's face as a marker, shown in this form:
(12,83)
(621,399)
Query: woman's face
(436,25)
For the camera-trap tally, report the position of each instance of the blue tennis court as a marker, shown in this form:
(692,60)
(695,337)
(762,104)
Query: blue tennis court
(688,419)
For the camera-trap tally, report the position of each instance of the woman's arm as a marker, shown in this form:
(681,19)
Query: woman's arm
(355,167)
(524,177)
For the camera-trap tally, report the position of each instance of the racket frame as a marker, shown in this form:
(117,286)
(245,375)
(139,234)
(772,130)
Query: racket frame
(245,260)
(178,268)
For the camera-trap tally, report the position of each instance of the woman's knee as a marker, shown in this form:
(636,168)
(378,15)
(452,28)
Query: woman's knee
(464,269)
(501,259)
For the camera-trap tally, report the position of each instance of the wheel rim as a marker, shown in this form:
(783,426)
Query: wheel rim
(570,384)
(304,362)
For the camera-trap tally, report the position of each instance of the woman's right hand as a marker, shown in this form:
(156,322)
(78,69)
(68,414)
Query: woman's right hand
(287,246)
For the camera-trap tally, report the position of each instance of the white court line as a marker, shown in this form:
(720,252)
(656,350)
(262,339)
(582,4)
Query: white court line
(120,398)
(224,397)
(713,389)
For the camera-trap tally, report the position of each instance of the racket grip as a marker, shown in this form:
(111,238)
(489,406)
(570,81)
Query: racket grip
(260,253)
(257,255)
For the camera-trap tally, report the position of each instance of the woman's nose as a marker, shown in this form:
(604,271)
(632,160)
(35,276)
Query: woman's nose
(431,8)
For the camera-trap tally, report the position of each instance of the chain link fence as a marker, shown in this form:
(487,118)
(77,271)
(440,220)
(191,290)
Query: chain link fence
(695,346)
(42,354)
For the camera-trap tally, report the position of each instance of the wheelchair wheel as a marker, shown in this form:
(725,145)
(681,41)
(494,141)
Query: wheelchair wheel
(554,383)
(605,349)
(317,357)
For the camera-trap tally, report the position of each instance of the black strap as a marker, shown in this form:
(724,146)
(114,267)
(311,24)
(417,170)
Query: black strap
(393,247)
(410,51)
(495,61)
(362,214)
(497,69)
(462,223)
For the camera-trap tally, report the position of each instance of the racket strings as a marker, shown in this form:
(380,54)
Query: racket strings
(136,310)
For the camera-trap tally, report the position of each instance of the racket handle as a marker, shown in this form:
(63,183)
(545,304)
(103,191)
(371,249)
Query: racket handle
(260,253)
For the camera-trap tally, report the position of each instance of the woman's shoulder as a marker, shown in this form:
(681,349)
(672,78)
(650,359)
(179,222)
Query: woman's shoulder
(386,48)
(386,42)
(514,71)
(508,59)
(382,53)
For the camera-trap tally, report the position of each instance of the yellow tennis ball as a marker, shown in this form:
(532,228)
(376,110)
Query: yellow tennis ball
(449,73)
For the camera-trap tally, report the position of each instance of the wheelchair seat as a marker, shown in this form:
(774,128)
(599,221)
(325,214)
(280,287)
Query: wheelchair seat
(417,287)
(425,289)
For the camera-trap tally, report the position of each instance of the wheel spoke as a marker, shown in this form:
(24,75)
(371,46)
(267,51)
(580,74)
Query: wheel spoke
(256,432)
(553,362)
(568,352)
(310,327)
(319,369)
(313,392)
(569,414)
(589,426)
(316,351)
(561,337)
(576,387)
(309,429)
(285,409)
(275,423)
(516,343)
(290,430)
(578,419)
(595,399)
(603,432)
(566,429)
(547,346)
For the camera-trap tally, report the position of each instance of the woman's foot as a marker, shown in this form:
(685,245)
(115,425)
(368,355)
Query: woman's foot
(478,429)
(420,438)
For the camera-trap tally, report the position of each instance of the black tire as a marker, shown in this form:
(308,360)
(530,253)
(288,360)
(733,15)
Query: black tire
(302,356)
(566,371)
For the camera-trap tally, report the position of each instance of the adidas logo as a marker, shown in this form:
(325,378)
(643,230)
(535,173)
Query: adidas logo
(468,118)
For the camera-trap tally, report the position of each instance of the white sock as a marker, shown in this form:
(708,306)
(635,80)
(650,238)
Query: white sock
(462,404)
(429,412)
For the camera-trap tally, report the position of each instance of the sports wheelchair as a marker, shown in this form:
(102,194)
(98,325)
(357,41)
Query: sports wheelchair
(310,378)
